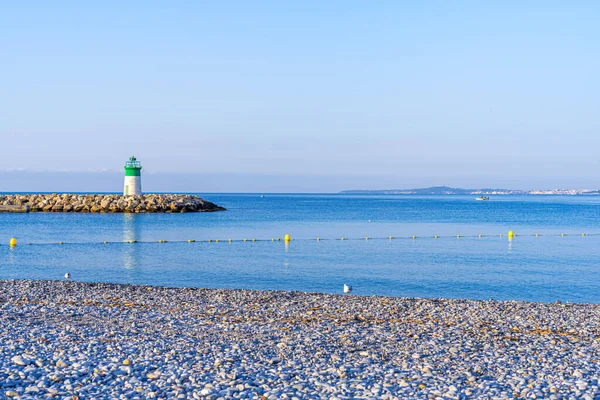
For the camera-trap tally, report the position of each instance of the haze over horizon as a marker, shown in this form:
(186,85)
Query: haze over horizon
(112,181)
(300,97)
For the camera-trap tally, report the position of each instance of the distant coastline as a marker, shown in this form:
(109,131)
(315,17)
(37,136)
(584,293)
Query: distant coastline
(446,190)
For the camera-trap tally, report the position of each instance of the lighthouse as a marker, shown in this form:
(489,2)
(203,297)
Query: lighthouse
(133,178)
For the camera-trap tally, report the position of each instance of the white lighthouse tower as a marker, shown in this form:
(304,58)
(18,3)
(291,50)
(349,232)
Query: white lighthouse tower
(133,178)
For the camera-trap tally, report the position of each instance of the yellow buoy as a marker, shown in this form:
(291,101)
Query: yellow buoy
(391,237)
(583,234)
(217,241)
(562,234)
(254,240)
(537,234)
(191,241)
(245,240)
(414,237)
(318,239)
(367,238)
(458,236)
(105,242)
(230,240)
(272,239)
(511,234)
(480,235)
(13,242)
(287,238)
(60,243)
(436,237)
(343,239)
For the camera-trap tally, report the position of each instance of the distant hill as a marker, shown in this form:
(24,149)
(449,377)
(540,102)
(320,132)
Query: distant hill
(440,190)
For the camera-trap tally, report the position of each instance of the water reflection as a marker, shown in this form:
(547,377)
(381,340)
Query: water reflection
(131,233)
(11,255)
(286,261)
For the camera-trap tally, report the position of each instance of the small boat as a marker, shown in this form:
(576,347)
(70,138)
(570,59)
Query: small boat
(482,198)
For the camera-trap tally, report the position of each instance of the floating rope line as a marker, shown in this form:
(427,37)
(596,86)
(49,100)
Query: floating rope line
(287,239)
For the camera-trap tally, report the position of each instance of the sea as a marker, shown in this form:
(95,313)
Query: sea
(440,246)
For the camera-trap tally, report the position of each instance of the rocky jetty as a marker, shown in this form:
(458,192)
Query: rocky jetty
(108,203)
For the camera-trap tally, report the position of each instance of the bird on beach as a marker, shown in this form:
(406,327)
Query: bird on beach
(67,275)
(347,288)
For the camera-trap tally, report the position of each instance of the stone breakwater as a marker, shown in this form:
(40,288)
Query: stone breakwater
(94,340)
(109,203)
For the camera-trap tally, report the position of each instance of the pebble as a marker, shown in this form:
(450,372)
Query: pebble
(72,340)
(19,360)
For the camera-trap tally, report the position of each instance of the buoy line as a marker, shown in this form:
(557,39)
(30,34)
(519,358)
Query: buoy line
(287,239)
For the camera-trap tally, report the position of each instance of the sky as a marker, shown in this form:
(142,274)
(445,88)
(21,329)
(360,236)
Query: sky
(299,96)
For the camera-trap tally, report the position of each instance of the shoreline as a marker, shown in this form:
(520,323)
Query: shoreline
(106,340)
(283,291)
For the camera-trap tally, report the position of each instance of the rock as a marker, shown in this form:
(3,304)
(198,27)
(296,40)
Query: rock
(111,203)
(19,360)
(153,375)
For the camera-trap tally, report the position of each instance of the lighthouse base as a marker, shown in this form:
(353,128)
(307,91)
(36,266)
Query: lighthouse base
(133,186)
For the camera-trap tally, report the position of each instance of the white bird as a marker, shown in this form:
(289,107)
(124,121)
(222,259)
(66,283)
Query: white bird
(67,275)
(347,288)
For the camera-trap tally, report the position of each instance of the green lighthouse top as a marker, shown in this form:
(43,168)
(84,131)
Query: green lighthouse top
(132,167)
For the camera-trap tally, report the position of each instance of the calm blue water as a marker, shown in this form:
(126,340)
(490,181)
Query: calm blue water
(533,268)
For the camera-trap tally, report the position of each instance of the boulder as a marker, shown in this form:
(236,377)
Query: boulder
(171,203)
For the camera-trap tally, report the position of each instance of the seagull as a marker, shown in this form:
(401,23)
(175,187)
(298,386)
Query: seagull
(347,288)
(67,275)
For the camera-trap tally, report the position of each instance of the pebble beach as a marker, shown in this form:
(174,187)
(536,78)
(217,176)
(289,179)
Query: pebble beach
(74,340)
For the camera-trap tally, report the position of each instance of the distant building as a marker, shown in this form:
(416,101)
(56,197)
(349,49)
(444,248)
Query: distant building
(133,178)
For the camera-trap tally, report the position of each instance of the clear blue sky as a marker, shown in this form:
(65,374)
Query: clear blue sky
(329,94)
